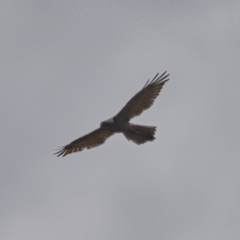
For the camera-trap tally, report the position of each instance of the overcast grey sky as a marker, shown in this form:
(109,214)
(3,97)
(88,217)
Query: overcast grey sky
(68,65)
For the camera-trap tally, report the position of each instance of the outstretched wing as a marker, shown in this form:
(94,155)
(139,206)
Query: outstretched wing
(144,98)
(93,139)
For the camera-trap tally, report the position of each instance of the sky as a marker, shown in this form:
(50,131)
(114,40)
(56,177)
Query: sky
(68,65)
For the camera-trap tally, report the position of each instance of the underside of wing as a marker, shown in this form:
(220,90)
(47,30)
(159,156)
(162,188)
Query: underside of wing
(144,98)
(91,140)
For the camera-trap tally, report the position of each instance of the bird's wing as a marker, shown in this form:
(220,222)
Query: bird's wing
(144,98)
(93,139)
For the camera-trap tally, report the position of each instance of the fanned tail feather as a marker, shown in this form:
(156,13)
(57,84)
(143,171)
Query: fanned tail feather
(140,134)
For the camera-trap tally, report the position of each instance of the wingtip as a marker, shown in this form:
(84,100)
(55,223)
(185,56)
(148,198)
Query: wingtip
(158,78)
(163,75)
(60,151)
(155,77)
(146,83)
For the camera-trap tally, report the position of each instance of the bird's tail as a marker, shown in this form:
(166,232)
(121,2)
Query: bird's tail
(140,134)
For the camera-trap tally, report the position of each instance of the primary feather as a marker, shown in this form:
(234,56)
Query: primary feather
(144,98)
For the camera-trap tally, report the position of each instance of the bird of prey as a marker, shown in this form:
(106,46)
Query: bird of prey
(139,134)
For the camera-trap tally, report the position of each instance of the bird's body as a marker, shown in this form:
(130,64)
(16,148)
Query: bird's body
(115,124)
(120,123)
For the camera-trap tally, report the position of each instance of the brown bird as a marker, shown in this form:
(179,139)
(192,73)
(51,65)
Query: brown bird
(139,134)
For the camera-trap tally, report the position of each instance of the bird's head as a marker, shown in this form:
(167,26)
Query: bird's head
(107,124)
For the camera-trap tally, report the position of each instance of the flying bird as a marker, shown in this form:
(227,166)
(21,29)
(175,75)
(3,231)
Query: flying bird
(139,134)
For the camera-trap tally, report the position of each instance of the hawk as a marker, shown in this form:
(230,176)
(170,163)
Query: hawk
(139,134)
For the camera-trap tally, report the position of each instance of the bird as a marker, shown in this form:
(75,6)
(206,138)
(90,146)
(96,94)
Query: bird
(120,123)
